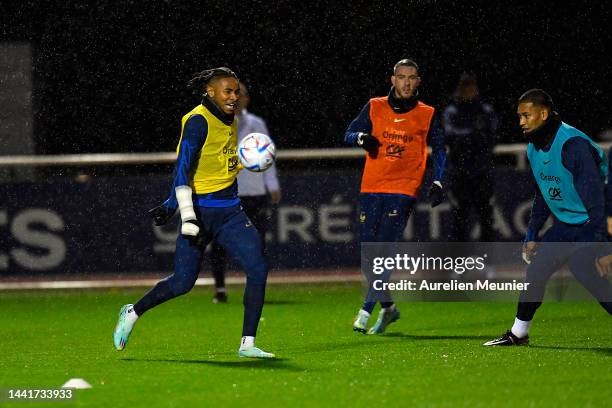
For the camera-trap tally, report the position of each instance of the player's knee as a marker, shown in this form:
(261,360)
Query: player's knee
(258,275)
(180,286)
(259,278)
(535,277)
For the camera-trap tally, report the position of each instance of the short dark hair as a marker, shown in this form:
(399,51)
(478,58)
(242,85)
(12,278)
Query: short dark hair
(467,78)
(203,78)
(406,62)
(539,98)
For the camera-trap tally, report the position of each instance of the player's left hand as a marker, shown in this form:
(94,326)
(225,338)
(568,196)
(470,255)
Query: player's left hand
(436,194)
(529,251)
(193,230)
(368,143)
(604,265)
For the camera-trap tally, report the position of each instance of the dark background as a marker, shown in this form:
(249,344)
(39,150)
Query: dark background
(110,76)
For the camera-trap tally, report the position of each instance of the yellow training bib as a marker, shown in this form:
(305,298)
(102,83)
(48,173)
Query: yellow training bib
(218,163)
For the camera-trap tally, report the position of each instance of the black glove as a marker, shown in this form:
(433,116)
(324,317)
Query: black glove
(368,142)
(161,215)
(436,195)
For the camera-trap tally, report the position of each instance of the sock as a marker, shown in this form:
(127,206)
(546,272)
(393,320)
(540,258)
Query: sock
(364,312)
(247,342)
(368,307)
(220,290)
(159,294)
(520,328)
(388,305)
(253,301)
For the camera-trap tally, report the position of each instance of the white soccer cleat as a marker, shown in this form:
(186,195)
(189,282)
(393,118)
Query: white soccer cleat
(361,322)
(254,352)
(385,318)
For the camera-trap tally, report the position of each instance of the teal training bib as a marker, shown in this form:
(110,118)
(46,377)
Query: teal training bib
(556,182)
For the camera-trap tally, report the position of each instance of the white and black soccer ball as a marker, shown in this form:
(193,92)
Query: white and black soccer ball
(257,152)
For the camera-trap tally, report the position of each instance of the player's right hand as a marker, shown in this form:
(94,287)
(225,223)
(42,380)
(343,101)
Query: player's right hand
(275,196)
(191,228)
(368,142)
(529,251)
(161,215)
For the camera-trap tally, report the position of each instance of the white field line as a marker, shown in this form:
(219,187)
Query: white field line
(126,283)
(278,277)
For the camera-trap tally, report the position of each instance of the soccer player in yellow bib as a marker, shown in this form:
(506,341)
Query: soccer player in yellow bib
(206,193)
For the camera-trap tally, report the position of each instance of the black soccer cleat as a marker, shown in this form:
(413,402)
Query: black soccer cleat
(220,297)
(508,339)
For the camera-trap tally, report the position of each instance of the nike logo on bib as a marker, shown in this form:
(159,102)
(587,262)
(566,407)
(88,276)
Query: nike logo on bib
(546,161)
(398,120)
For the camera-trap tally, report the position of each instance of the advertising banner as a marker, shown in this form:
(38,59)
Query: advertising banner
(101,225)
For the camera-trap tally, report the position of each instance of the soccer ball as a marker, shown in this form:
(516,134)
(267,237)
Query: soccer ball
(257,152)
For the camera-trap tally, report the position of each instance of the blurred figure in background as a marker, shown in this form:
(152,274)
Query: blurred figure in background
(256,191)
(609,195)
(470,127)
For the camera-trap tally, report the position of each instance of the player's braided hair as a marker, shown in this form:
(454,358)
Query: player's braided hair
(203,78)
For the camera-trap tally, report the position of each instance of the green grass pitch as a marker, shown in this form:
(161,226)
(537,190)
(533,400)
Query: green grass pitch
(184,353)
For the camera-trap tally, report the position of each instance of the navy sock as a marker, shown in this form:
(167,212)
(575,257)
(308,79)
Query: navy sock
(368,306)
(386,304)
(253,305)
(526,310)
(159,294)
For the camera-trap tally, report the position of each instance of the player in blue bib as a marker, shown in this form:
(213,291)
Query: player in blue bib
(570,171)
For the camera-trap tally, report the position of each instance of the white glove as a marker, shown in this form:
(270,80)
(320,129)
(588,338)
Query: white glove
(529,251)
(526,258)
(190,224)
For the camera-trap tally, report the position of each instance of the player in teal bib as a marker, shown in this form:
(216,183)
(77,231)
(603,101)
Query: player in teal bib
(570,171)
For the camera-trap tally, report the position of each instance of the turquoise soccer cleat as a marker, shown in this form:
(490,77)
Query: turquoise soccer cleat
(254,352)
(385,318)
(124,327)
